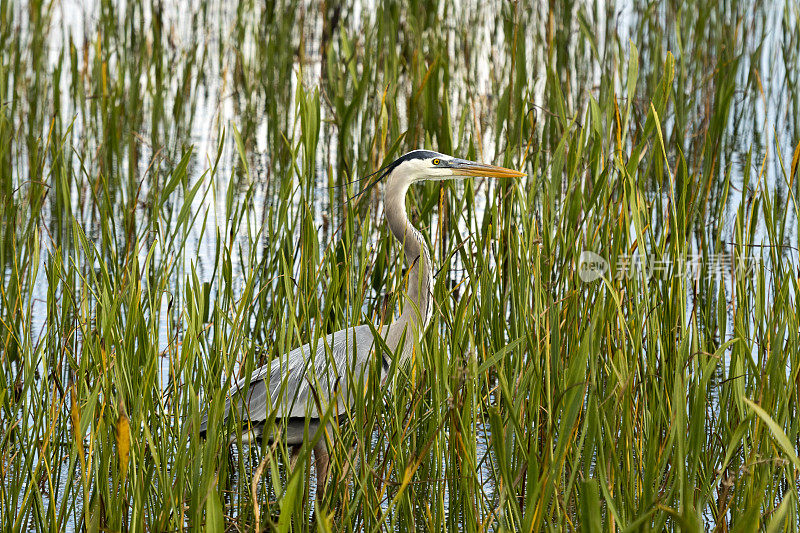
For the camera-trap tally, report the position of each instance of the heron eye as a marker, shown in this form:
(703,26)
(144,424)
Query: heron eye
(435,161)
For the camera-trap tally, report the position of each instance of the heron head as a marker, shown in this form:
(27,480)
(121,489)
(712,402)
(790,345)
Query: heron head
(425,165)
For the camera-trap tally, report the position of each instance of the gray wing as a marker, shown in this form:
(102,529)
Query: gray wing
(305,382)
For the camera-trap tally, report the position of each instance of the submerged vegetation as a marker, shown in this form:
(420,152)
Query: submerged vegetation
(176,209)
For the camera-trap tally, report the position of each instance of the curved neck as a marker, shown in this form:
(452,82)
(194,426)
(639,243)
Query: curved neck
(417,304)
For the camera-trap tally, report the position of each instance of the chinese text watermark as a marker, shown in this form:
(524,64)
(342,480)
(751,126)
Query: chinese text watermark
(593,266)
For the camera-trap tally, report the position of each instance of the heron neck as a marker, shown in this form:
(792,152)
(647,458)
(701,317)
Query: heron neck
(417,304)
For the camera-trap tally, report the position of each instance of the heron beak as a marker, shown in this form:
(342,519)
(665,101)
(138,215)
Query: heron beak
(470,168)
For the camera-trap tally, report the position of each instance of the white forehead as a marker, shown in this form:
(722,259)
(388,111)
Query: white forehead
(413,169)
(415,165)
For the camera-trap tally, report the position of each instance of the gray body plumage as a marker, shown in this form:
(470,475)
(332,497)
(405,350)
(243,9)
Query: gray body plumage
(306,382)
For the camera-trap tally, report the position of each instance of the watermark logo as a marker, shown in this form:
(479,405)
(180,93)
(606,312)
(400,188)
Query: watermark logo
(591,266)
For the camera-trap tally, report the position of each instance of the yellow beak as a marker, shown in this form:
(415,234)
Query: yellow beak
(470,168)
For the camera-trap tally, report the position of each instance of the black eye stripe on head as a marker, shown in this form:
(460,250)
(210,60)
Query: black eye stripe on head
(416,154)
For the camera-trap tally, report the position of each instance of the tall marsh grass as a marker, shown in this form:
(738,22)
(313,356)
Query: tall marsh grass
(176,184)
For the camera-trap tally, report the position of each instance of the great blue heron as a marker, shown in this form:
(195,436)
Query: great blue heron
(303,385)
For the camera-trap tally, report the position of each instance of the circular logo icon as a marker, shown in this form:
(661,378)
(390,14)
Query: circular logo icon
(591,266)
